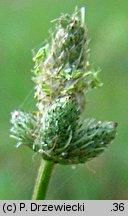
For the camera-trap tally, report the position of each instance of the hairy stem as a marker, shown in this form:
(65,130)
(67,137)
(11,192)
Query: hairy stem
(42,180)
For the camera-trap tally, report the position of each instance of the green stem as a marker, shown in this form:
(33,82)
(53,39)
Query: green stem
(42,180)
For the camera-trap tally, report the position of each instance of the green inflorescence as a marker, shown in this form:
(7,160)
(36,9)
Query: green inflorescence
(63,75)
(61,66)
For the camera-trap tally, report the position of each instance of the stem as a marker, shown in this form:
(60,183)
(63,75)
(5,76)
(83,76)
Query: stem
(42,180)
(82,15)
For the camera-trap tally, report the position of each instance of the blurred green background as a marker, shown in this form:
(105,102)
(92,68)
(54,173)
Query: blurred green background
(24,25)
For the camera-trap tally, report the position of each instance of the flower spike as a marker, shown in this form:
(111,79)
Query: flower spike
(62,75)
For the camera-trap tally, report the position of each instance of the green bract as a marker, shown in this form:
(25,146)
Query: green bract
(63,75)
